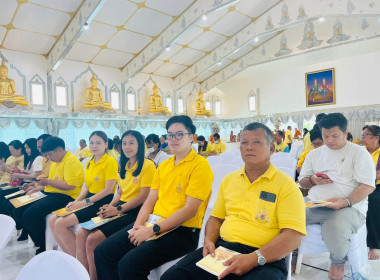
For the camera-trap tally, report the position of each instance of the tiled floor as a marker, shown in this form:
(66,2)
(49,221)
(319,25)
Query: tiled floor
(315,267)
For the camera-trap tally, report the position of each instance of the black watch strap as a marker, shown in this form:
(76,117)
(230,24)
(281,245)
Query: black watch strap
(156,229)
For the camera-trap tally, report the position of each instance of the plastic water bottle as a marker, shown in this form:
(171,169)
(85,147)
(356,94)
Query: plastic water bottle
(362,274)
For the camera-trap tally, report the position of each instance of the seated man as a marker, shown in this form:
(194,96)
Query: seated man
(259,212)
(279,145)
(219,147)
(351,178)
(84,151)
(65,181)
(179,193)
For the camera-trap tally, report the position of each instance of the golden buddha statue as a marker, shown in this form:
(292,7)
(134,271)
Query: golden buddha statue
(8,96)
(94,97)
(201,107)
(156,103)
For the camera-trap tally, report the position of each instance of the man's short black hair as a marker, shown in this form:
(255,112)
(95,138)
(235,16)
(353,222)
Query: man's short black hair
(332,120)
(216,135)
(185,120)
(281,133)
(43,137)
(319,117)
(257,126)
(315,133)
(52,143)
(153,138)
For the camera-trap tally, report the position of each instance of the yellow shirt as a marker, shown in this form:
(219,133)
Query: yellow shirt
(288,133)
(83,153)
(209,149)
(70,170)
(219,147)
(190,177)
(253,221)
(307,146)
(112,153)
(280,148)
(131,186)
(302,159)
(46,162)
(13,163)
(98,173)
(375,156)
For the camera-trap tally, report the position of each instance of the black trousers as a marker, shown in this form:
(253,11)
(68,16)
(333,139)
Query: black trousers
(4,201)
(117,258)
(33,216)
(187,269)
(373,219)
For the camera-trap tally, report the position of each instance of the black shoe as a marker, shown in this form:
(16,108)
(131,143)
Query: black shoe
(23,236)
(40,250)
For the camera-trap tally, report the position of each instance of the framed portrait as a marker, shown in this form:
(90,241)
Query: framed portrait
(320,87)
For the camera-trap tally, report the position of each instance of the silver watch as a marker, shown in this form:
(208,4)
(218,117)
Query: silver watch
(87,200)
(260,258)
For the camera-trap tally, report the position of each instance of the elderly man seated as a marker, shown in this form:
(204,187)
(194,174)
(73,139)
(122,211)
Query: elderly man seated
(348,177)
(259,212)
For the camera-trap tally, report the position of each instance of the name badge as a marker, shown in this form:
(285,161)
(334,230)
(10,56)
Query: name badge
(266,196)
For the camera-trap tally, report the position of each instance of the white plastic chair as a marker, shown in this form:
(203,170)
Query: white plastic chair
(84,162)
(8,225)
(313,244)
(53,265)
(280,155)
(214,160)
(288,162)
(227,157)
(289,171)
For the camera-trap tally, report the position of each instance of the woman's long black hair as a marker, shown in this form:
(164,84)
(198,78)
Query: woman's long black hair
(4,151)
(140,154)
(204,147)
(34,152)
(16,144)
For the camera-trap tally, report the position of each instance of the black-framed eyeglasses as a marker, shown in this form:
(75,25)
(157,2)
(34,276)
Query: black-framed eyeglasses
(364,135)
(177,136)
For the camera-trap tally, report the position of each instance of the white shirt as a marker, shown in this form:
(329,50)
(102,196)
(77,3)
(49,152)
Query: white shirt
(159,158)
(36,165)
(347,168)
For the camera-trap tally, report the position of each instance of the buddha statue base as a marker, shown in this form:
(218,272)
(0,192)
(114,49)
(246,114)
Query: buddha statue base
(100,108)
(206,114)
(159,112)
(13,103)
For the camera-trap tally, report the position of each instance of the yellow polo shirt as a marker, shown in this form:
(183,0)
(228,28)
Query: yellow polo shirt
(98,173)
(307,146)
(302,159)
(131,185)
(288,133)
(46,162)
(83,153)
(70,170)
(253,221)
(375,156)
(209,149)
(280,148)
(219,147)
(112,153)
(190,177)
(13,163)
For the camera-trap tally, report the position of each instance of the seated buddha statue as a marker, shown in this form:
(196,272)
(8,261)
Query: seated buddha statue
(94,97)
(8,94)
(156,103)
(201,107)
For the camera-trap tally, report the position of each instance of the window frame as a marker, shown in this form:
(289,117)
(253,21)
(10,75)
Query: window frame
(252,94)
(115,89)
(130,91)
(61,83)
(36,79)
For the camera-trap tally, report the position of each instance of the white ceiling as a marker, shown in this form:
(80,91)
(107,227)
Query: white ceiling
(122,30)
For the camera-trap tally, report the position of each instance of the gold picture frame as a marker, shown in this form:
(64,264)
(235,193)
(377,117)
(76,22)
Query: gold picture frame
(320,87)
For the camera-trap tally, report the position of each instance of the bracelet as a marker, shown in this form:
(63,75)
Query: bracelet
(311,183)
(349,201)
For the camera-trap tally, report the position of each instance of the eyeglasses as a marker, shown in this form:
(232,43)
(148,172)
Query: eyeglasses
(365,135)
(177,136)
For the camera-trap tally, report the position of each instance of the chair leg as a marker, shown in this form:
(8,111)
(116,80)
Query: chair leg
(299,263)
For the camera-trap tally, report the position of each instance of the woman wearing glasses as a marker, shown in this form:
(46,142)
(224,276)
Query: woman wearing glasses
(371,139)
(179,194)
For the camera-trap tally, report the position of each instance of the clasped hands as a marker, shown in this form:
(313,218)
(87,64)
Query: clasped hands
(107,211)
(239,264)
(140,234)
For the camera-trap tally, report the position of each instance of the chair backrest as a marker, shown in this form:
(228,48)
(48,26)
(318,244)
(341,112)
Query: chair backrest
(288,162)
(227,156)
(238,161)
(53,265)
(289,171)
(7,227)
(298,151)
(84,163)
(214,160)
(280,155)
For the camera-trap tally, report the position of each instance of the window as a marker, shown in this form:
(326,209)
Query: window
(115,100)
(37,94)
(61,95)
(168,102)
(218,109)
(180,106)
(208,105)
(131,101)
(252,102)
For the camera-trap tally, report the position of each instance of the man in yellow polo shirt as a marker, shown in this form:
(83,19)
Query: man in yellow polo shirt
(289,137)
(219,147)
(279,145)
(84,151)
(65,180)
(259,212)
(179,193)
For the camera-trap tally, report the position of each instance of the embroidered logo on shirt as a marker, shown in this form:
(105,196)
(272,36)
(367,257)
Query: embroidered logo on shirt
(135,180)
(179,188)
(262,217)
(96,178)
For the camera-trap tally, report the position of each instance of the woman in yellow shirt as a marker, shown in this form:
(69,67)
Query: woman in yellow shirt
(204,148)
(136,176)
(100,180)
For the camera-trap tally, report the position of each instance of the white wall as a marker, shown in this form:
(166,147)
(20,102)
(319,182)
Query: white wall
(282,82)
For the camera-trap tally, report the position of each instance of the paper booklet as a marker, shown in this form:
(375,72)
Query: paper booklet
(97,222)
(317,203)
(214,265)
(7,187)
(14,194)
(26,199)
(153,219)
(63,212)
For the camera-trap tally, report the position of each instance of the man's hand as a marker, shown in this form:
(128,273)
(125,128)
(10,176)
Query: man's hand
(75,205)
(209,248)
(338,203)
(43,182)
(26,186)
(319,180)
(107,211)
(140,235)
(239,264)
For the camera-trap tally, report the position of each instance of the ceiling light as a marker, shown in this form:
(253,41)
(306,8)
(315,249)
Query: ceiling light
(321,19)
(204,17)
(256,39)
(219,63)
(85,26)
(167,48)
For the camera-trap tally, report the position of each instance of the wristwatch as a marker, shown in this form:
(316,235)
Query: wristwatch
(119,208)
(87,200)
(260,258)
(156,229)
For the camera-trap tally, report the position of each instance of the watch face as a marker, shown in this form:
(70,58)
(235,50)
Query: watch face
(156,229)
(261,261)
(119,208)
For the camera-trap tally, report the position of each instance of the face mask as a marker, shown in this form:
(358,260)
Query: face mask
(151,150)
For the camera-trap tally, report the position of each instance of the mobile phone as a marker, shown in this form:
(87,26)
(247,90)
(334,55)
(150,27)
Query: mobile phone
(323,176)
(34,179)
